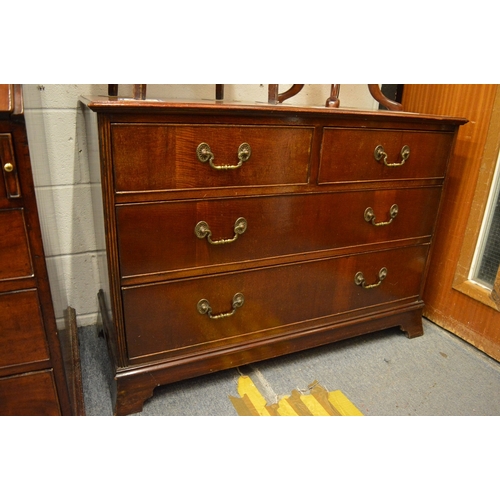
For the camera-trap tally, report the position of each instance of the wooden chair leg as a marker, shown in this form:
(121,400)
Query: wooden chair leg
(140,91)
(219,91)
(333,101)
(382,99)
(272,93)
(112,89)
(274,97)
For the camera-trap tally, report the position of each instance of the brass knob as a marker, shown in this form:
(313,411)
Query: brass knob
(8,167)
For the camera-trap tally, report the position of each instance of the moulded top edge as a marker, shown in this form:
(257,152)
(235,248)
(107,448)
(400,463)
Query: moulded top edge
(108,104)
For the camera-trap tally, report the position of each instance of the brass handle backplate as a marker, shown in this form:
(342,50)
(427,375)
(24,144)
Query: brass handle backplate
(204,307)
(380,154)
(370,216)
(204,154)
(359,279)
(202,230)
(8,167)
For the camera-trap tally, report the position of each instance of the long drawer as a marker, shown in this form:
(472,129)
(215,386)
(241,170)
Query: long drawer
(174,317)
(356,155)
(160,237)
(169,157)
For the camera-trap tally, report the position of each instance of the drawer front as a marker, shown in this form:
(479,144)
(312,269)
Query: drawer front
(31,394)
(161,237)
(168,317)
(348,155)
(15,259)
(10,188)
(164,157)
(22,334)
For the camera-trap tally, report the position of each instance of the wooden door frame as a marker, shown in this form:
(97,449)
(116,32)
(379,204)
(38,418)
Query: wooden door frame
(461,281)
(453,310)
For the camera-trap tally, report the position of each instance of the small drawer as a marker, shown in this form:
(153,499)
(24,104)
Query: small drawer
(30,394)
(354,155)
(22,333)
(172,317)
(162,237)
(169,157)
(14,249)
(10,188)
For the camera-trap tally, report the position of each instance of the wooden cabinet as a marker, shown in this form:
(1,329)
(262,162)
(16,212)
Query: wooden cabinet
(32,379)
(236,233)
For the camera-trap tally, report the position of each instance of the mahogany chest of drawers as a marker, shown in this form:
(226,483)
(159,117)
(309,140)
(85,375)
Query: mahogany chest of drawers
(32,377)
(236,233)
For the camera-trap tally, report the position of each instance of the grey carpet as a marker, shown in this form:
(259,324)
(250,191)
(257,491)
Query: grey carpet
(383,374)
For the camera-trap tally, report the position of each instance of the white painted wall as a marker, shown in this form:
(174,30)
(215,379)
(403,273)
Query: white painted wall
(64,179)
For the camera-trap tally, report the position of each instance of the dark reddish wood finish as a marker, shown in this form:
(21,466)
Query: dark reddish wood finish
(279,156)
(32,379)
(70,349)
(6,98)
(14,252)
(23,338)
(273,95)
(29,394)
(11,178)
(275,297)
(139,91)
(303,192)
(156,238)
(348,155)
(219,91)
(377,94)
(333,101)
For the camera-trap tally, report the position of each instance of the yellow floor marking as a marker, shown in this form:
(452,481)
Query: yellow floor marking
(244,406)
(321,394)
(318,403)
(247,388)
(285,410)
(314,405)
(295,401)
(343,405)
